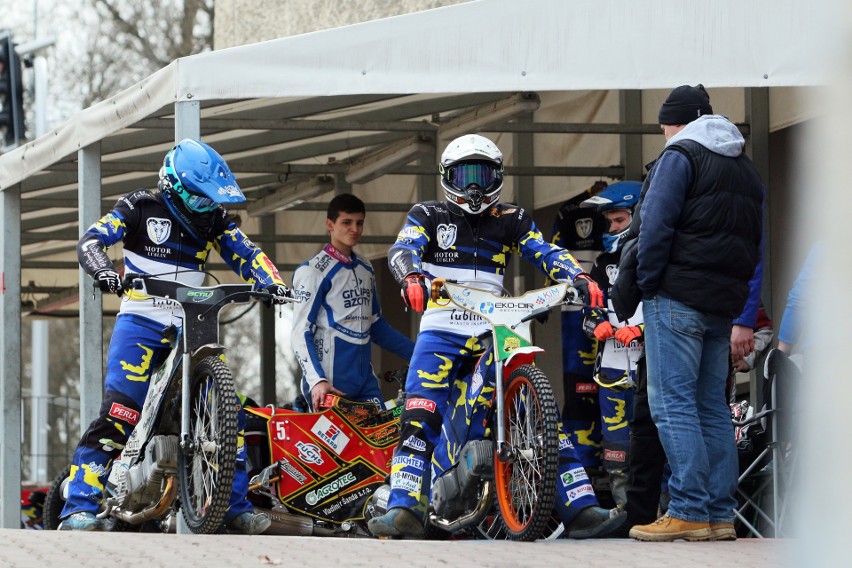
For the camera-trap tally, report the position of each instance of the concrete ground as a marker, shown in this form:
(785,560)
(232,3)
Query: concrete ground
(40,549)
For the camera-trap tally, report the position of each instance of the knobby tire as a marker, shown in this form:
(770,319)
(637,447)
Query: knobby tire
(206,469)
(526,485)
(54,502)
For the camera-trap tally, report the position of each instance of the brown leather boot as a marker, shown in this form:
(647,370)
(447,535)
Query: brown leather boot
(723,531)
(667,529)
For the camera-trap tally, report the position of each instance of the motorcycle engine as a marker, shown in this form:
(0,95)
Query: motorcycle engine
(457,491)
(136,487)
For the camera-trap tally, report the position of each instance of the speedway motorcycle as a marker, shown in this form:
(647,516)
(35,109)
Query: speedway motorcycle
(314,473)
(502,481)
(181,455)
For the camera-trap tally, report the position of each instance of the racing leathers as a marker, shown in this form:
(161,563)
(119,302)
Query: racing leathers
(440,240)
(335,322)
(615,363)
(155,242)
(580,230)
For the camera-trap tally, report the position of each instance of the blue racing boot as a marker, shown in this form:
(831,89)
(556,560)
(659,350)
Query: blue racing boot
(82,521)
(397,522)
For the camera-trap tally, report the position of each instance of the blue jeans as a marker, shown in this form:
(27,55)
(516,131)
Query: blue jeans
(687,353)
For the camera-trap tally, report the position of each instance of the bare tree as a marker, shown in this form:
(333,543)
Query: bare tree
(127,41)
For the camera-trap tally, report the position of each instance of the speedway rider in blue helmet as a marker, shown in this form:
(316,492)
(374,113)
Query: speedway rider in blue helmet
(167,233)
(468,237)
(619,343)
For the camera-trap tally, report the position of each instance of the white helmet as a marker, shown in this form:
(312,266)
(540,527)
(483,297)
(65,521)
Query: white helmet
(472,173)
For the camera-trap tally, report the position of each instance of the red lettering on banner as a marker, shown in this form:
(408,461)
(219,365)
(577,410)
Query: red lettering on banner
(123,413)
(420,403)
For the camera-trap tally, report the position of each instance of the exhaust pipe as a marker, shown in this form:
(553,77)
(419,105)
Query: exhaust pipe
(287,524)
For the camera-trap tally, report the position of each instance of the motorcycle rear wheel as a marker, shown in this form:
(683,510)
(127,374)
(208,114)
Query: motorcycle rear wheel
(525,485)
(54,502)
(206,465)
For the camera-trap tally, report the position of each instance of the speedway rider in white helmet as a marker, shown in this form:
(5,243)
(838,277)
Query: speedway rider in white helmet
(466,238)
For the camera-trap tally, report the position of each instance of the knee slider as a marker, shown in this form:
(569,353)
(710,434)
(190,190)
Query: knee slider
(118,416)
(615,456)
(421,420)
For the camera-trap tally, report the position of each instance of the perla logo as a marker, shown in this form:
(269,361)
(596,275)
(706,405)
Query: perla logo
(314,497)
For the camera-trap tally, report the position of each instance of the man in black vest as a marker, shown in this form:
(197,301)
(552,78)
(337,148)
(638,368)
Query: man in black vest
(698,248)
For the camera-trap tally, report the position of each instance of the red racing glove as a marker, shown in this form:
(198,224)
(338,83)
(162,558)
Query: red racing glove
(589,290)
(627,334)
(416,289)
(604,331)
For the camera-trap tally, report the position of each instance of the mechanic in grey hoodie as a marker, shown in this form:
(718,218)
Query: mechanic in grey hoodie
(698,248)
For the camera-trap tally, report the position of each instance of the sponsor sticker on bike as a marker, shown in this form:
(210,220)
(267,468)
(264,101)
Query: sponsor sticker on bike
(288,468)
(314,497)
(330,433)
(309,453)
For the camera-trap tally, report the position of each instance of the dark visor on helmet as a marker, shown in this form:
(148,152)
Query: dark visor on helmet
(463,176)
(200,203)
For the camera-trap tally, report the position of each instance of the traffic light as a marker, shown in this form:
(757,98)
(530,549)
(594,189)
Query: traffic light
(11,92)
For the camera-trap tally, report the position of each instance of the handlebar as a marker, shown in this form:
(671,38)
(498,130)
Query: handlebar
(438,292)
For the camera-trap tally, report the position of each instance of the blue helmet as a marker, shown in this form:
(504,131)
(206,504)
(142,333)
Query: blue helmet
(199,177)
(620,195)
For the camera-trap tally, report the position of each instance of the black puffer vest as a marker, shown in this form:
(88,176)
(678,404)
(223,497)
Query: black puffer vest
(716,245)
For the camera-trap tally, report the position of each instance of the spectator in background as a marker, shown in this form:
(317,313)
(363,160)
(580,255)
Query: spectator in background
(339,315)
(698,250)
(762,337)
(792,322)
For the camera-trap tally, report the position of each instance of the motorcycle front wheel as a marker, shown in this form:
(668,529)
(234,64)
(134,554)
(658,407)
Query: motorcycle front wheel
(525,484)
(206,464)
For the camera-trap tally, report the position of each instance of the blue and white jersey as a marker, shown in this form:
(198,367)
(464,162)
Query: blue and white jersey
(440,241)
(155,243)
(337,318)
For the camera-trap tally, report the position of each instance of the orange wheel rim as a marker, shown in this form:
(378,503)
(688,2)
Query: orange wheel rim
(517,392)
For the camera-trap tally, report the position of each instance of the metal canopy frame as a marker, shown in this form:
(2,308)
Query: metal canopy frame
(295,140)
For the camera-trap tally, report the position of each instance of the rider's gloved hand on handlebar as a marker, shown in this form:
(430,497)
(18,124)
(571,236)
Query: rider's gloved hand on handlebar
(416,290)
(604,331)
(279,293)
(589,289)
(109,280)
(627,334)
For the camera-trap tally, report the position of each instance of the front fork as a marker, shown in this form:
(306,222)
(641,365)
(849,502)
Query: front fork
(504,450)
(184,402)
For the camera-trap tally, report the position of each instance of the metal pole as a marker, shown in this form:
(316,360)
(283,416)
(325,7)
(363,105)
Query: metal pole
(10,360)
(91,323)
(187,125)
(39,387)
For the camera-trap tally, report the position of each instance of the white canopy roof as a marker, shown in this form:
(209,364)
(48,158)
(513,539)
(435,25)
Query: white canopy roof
(482,46)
